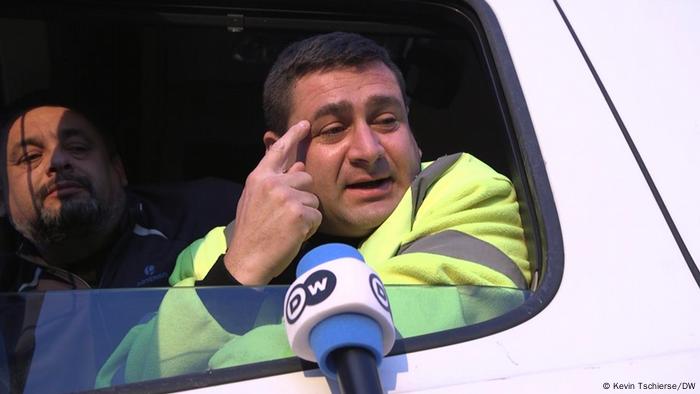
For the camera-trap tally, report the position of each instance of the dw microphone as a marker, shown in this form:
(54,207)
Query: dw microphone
(337,314)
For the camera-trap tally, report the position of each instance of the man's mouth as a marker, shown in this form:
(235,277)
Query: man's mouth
(373,184)
(64,188)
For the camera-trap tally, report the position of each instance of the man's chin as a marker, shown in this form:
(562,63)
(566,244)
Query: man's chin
(53,204)
(360,223)
(72,219)
(80,211)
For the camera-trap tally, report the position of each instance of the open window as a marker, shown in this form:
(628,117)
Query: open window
(181,86)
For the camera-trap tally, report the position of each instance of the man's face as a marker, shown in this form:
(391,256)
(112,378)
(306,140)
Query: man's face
(60,176)
(362,155)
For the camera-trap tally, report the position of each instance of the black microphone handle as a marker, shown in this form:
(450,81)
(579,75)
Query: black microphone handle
(357,371)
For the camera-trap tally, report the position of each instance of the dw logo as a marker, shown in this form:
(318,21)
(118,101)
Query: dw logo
(316,288)
(379,291)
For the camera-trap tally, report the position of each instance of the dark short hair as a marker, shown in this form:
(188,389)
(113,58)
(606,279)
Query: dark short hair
(19,107)
(323,52)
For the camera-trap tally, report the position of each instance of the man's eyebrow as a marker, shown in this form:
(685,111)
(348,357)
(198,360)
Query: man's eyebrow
(339,108)
(382,101)
(19,147)
(72,132)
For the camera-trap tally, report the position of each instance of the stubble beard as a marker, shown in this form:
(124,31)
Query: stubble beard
(76,220)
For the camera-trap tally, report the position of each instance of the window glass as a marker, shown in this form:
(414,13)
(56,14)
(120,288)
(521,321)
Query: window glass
(80,337)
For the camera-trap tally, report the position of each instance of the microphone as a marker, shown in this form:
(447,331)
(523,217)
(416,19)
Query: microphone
(337,314)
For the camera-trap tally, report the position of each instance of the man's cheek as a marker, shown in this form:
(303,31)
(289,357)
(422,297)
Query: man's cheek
(19,215)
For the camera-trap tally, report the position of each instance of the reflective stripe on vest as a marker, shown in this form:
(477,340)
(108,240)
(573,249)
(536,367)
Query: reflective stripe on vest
(426,178)
(453,243)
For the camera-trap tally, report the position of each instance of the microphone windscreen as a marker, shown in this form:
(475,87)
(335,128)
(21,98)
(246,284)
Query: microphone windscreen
(336,302)
(325,253)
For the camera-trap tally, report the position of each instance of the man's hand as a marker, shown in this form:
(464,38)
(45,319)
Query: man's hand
(275,214)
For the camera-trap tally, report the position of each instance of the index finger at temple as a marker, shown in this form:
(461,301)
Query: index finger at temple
(283,153)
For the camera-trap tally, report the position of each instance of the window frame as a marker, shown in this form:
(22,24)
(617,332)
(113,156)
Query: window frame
(537,203)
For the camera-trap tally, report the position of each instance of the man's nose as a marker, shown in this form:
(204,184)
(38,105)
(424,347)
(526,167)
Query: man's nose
(60,160)
(366,147)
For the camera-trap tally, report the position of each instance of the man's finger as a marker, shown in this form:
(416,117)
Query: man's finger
(298,166)
(314,216)
(306,199)
(298,180)
(284,152)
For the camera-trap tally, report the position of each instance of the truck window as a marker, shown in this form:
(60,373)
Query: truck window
(182,86)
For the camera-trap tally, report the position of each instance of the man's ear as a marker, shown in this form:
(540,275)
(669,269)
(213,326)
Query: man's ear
(118,168)
(270,138)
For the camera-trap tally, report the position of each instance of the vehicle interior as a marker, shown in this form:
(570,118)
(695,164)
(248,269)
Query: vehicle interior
(180,86)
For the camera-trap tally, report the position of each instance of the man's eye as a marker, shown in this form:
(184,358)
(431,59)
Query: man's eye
(387,122)
(77,149)
(331,130)
(29,158)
